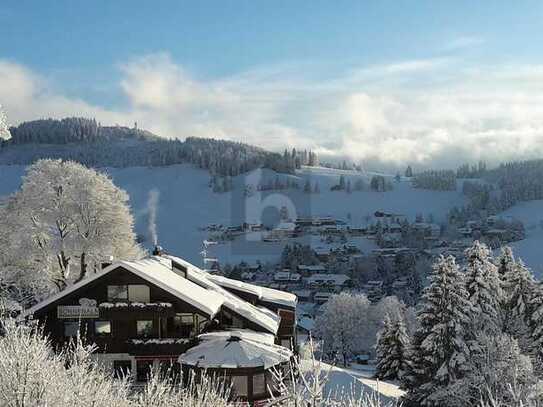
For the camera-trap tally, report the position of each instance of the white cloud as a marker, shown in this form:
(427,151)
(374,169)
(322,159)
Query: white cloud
(431,112)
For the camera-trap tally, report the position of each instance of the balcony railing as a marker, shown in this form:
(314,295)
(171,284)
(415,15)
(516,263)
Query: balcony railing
(159,346)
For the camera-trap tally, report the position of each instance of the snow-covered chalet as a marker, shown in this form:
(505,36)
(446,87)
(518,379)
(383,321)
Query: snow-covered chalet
(165,312)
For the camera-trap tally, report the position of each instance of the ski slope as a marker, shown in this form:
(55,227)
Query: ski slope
(186,204)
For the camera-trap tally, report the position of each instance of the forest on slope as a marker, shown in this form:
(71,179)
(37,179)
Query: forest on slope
(88,142)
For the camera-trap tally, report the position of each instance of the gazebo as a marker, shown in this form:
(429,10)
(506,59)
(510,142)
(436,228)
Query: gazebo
(245,358)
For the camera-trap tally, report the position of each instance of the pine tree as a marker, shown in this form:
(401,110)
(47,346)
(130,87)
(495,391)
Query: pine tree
(392,346)
(440,351)
(536,329)
(520,286)
(483,286)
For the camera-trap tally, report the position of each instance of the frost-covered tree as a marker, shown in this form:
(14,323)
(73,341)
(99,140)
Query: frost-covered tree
(483,286)
(67,217)
(440,352)
(392,350)
(4,128)
(536,329)
(519,285)
(500,375)
(339,326)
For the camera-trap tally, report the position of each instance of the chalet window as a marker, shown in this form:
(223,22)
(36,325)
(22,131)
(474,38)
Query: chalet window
(122,368)
(183,325)
(117,293)
(139,293)
(71,328)
(239,385)
(143,369)
(144,328)
(259,384)
(102,327)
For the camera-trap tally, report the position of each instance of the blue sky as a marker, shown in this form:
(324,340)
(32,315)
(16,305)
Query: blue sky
(284,73)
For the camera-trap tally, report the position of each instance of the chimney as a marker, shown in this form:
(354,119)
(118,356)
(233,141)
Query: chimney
(158,251)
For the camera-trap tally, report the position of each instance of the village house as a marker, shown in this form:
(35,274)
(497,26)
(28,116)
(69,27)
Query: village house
(164,312)
(333,282)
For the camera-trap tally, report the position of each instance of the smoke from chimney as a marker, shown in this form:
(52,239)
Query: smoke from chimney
(152,208)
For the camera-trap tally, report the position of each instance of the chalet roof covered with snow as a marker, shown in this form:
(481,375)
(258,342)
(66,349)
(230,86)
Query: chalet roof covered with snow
(264,293)
(157,271)
(198,289)
(233,352)
(259,315)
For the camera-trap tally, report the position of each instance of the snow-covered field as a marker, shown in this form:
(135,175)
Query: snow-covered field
(186,203)
(358,379)
(530,249)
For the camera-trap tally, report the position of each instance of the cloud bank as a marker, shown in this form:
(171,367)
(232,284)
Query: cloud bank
(432,113)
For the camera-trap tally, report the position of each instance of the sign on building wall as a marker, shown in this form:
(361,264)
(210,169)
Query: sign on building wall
(86,309)
(77,311)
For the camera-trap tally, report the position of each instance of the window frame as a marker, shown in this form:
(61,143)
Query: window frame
(116,299)
(140,335)
(147,298)
(96,333)
(76,323)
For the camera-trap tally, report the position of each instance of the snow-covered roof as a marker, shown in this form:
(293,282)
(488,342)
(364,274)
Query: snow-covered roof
(260,316)
(241,333)
(264,293)
(287,226)
(233,352)
(158,271)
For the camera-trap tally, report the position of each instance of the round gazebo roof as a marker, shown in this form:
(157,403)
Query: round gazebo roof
(234,352)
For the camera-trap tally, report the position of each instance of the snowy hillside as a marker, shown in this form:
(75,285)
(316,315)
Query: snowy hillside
(186,204)
(529,249)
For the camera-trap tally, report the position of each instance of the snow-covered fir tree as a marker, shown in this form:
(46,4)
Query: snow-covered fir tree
(392,350)
(440,352)
(535,323)
(483,286)
(519,285)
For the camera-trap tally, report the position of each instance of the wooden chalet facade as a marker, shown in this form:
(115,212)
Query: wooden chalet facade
(149,312)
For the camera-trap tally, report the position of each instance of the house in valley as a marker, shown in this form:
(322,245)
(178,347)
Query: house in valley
(163,311)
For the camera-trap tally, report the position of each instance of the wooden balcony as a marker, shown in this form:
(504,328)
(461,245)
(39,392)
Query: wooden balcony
(162,347)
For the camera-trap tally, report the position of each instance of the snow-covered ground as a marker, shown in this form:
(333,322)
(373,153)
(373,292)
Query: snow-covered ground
(186,203)
(358,379)
(530,249)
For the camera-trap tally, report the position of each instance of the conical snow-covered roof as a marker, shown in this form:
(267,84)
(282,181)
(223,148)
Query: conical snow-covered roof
(232,352)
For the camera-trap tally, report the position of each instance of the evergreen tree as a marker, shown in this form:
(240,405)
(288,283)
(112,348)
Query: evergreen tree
(409,171)
(440,351)
(483,286)
(536,329)
(392,346)
(520,287)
